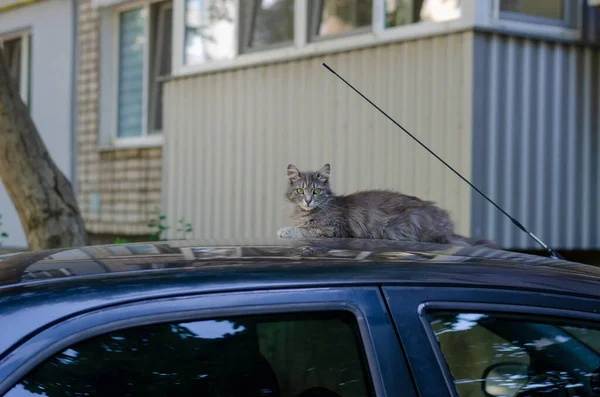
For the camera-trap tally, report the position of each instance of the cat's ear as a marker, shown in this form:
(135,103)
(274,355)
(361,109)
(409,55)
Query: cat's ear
(324,172)
(293,173)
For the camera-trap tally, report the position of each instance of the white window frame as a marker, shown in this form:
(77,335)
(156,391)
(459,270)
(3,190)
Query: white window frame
(24,83)
(146,139)
(488,15)
(474,13)
(302,48)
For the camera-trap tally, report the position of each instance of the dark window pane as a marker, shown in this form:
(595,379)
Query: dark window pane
(514,355)
(267,22)
(402,12)
(552,9)
(12,55)
(333,17)
(161,46)
(281,355)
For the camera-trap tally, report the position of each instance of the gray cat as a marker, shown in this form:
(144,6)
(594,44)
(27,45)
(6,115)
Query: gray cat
(371,214)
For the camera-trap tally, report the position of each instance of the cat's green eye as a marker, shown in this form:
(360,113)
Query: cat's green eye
(317,191)
(300,191)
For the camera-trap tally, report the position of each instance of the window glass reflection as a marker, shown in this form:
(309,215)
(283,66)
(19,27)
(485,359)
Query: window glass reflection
(551,9)
(590,337)
(267,22)
(209,30)
(402,12)
(13,49)
(132,47)
(512,355)
(283,355)
(334,17)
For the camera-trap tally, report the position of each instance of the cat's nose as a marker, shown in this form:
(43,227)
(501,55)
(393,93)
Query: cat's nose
(308,200)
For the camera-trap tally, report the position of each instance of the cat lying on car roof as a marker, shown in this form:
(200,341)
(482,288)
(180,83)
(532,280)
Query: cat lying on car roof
(369,214)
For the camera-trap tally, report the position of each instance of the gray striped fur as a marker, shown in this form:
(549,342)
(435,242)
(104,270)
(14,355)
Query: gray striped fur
(370,214)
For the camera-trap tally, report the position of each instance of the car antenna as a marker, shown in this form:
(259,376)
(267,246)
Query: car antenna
(549,250)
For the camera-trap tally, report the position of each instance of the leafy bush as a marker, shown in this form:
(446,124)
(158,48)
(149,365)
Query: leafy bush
(184,228)
(158,226)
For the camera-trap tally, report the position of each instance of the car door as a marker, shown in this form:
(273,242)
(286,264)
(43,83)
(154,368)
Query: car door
(490,342)
(303,342)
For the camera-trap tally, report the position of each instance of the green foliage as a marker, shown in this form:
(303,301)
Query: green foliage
(3,235)
(184,228)
(158,226)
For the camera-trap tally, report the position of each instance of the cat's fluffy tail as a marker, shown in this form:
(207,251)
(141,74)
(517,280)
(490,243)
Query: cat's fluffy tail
(461,240)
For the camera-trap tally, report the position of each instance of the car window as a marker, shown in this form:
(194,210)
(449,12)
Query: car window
(590,337)
(491,354)
(276,355)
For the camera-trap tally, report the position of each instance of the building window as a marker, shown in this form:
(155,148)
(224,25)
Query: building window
(161,55)
(266,23)
(131,73)
(144,59)
(218,30)
(209,31)
(553,12)
(332,18)
(403,12)
(17,53)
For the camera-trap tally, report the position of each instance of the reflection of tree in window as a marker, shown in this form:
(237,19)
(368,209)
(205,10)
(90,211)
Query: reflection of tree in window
(556,356)
(244,357)
(470,348)
(267,22)
(209,30)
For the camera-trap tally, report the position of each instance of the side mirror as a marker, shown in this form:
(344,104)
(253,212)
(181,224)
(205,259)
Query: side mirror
(505,379)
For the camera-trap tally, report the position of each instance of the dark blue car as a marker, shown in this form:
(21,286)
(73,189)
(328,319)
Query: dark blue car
(297,318)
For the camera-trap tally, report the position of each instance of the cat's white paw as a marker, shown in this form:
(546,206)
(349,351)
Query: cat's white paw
(289,232)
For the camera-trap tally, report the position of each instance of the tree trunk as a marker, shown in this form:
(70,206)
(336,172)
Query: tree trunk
(41,193)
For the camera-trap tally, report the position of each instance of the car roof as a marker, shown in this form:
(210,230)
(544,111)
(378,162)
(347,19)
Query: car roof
(325,259)
(41,288)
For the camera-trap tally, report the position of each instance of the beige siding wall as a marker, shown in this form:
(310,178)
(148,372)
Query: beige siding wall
(231,135)
(127,181)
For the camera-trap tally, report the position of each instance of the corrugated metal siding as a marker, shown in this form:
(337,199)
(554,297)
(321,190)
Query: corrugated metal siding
(536,145)
(231,135)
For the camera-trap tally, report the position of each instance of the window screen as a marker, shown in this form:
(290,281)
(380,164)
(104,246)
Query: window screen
(131,73)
